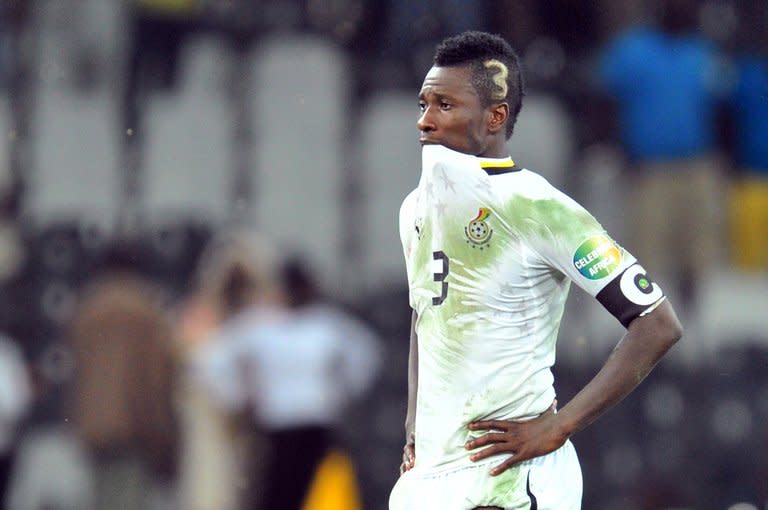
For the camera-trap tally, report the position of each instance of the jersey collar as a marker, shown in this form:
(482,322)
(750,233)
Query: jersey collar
(497,166)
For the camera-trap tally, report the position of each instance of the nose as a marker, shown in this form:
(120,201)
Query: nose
(425,122)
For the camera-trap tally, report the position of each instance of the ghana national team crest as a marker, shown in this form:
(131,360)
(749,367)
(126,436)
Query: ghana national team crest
(478,231)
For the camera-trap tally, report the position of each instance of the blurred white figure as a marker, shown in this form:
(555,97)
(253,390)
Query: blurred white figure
(235,273)
(15,398)
(295,372)
(52,472)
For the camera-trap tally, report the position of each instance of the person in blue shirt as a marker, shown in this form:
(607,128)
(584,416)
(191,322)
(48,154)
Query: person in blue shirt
(665,80)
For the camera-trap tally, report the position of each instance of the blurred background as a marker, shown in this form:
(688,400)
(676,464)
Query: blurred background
(142,138)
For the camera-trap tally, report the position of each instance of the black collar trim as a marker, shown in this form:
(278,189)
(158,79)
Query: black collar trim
(501,170)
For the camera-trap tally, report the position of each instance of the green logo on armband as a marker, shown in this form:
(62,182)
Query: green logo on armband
(597,257)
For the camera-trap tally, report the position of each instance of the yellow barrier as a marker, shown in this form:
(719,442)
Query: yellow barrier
(334,486)
(748,211)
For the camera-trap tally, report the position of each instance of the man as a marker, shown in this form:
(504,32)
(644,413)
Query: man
(668,82)
(490,251)
(293,371)
(123,388)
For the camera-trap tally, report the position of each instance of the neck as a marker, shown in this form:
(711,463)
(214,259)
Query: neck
(497,149)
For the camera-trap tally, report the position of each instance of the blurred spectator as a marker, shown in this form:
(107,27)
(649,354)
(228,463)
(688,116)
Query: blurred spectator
(124,372)
(749,101)
(296,374)
(235,273)
(331,359)
(15,397)
(665,80)
(51,472)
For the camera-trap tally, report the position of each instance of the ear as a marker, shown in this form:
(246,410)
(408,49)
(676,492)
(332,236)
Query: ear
(497,117)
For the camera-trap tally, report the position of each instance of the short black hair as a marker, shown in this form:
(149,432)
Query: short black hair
(299,282)
(478,50)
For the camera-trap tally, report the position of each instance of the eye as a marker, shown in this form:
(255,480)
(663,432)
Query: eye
(444,105)
(422,106)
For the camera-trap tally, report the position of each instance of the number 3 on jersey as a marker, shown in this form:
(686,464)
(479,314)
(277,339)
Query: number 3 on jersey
(441,277)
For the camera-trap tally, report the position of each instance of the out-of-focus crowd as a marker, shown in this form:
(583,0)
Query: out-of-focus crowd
(229,398)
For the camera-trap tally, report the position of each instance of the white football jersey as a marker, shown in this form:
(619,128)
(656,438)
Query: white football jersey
(490,252)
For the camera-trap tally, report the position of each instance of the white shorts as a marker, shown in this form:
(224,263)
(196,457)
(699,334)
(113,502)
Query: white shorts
(551,482)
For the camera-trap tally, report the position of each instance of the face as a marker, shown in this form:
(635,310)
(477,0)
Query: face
(451,113)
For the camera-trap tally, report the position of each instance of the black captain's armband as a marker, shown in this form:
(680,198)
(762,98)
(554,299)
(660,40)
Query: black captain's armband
(630,295)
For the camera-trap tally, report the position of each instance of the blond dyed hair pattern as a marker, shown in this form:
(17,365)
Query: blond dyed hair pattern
(499,78)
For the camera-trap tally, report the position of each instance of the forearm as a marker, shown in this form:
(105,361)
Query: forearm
(646,341)
(413,378)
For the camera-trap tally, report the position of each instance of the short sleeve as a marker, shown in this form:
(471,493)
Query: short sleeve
(570,240)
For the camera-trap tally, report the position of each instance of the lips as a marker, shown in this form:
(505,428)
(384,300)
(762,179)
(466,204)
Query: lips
(428,141)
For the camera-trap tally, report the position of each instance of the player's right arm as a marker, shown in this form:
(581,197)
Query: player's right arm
(409,450)
(408,237)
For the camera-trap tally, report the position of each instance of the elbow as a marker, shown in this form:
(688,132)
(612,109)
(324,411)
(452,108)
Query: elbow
(662,325)
(675,332)
(670,328)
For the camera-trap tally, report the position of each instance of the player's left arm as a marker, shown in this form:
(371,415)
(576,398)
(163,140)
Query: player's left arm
(575,244)
(647,339)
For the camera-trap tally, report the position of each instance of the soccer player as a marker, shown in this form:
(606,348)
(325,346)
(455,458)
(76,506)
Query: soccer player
(491,249)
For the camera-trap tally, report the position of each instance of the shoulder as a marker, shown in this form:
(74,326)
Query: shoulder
(408,201)
(253,323)
(701,43)
(408,206)
(528,185)
(544,210)
(260,316)
(113,296)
